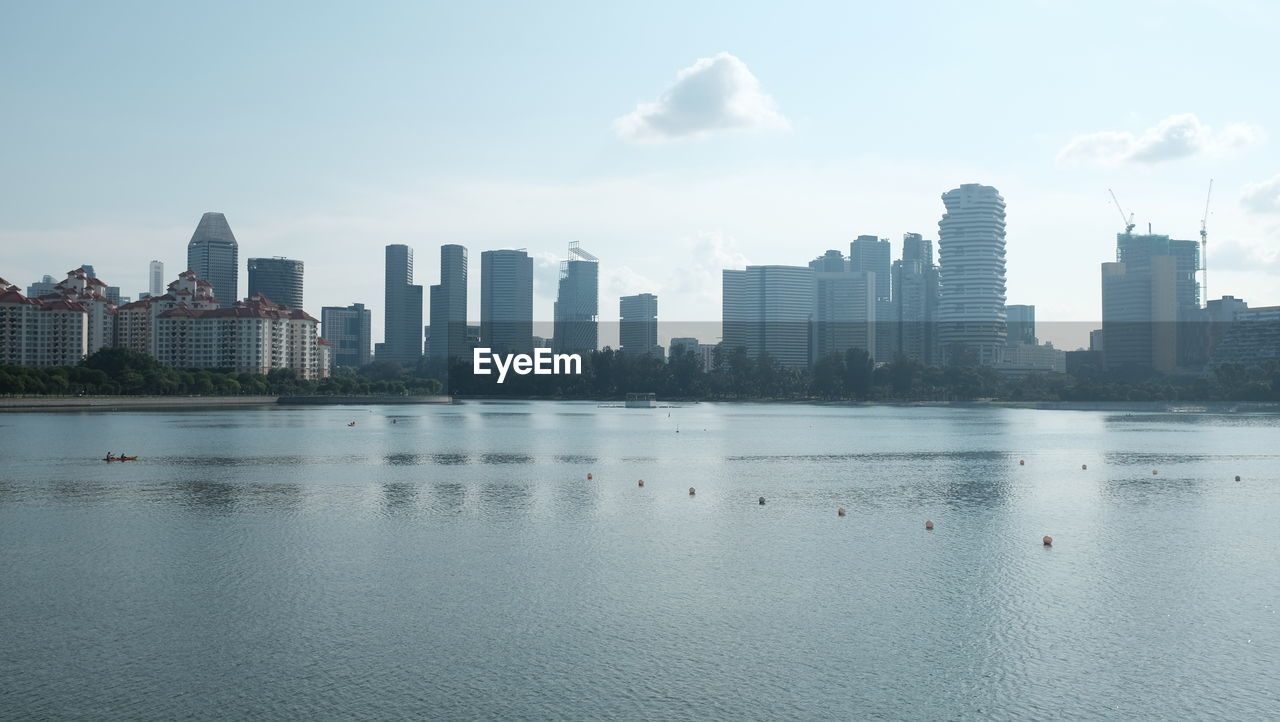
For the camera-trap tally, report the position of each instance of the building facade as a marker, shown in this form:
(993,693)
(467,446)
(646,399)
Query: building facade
(844,313)
(915,300)
(971,247)
(767,310)
(638,325)
(279,279)
(506,301)
(448,335)
(576,313)
(348,331)
(402,309)
(214,255)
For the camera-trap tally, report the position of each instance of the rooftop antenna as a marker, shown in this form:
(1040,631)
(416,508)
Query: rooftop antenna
(1204,243)
(1128,222)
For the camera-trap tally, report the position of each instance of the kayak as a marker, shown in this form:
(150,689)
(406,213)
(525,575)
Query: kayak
(122,458)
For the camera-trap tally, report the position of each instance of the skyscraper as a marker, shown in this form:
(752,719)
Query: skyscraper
(915,299)
(215,257)
(1139,313)
(577,306)
(829,262)
(448,337)
(1190,322)
(844,313)
(971,249)
(155,279)
(348,329)
(767,310)
(1022,324)
(506,301)
(402,332)
(638,324)
(869,254)
(279,279)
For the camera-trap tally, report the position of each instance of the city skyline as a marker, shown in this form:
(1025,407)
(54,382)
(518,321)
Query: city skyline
(424,159)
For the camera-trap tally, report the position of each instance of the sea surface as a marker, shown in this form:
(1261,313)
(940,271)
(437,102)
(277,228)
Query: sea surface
(456,562)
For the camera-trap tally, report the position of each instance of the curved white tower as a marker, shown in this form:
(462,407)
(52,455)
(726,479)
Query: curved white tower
(971,313)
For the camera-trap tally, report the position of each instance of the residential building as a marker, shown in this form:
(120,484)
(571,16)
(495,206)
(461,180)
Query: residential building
(915,300)
(844,311)
(971,305)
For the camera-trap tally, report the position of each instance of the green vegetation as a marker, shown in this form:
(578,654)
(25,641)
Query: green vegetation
(853,376)
(119,371)
(611,375)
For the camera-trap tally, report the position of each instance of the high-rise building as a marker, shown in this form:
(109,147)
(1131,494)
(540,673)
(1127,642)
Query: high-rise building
(402,327)
(829,262)
(1139,314)
(971,249)
(767,310)
(638,324)
(844,313)
(1190,331)
(214,255)
(155,279)
(448,335)
(1021,324)
(43,287)
(506,301)
(577,306)
(915,300)
(870,254)
(278,278)
(348,330)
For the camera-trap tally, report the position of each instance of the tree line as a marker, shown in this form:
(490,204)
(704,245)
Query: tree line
(608,374)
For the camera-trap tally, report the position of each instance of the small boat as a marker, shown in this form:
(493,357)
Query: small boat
(121,458)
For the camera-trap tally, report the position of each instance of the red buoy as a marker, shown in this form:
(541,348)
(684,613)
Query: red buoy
(588,477)
(1048,541)
(640,483)
(692,491)
(1022,462)
(928,525)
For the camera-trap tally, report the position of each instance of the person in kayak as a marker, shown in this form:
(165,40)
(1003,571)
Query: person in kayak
(109,456)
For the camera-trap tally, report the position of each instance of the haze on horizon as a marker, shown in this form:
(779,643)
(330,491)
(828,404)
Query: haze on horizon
(671,141)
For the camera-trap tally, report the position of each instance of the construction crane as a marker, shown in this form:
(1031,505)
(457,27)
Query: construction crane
(1204,243)
(1128,221)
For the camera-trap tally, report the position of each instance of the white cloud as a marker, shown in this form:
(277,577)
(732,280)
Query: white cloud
(1178,136)
(1262,197)
(714,94)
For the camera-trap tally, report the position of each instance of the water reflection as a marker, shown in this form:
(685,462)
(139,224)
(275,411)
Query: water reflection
(451,459)
(506,458)
(399,496)
(216,496)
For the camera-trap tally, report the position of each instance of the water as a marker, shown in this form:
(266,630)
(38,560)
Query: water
(458,563)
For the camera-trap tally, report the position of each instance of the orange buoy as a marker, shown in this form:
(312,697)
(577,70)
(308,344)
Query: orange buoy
(692,491)
(1022,462)
(840,511)
(588,477)
(1048,541)
(640,483)
(928,525)
(1084,467)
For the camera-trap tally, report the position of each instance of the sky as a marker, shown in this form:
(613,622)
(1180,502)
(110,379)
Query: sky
(671,139)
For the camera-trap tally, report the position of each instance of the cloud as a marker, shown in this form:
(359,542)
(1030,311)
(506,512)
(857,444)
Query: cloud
(699,277)
(1178,136)
(714,94)
(1262,197)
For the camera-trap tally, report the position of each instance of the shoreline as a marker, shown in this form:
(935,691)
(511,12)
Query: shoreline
(100,403)
(81,403)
